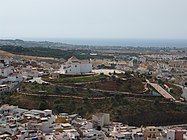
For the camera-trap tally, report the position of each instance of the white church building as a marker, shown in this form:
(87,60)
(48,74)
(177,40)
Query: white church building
(73,66)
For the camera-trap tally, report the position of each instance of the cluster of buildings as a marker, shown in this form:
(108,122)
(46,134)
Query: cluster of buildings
(167,68)
(22,124)
(9,77)
(13,71)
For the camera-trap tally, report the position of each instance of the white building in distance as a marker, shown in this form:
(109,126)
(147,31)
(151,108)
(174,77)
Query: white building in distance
(101,119)
(73,66)
(5,69)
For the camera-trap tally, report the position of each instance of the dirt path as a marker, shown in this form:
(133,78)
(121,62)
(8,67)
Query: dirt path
(66,96)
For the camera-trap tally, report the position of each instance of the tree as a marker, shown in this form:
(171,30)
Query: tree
(59,107)
(129,87)
(42,105)
(160,82)
(57,90)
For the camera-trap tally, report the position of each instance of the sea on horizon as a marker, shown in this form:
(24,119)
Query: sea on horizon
(178,43)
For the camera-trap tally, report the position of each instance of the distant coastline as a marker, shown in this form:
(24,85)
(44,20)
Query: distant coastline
(156,43)
(178,43)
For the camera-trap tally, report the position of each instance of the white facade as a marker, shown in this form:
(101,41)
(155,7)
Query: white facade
(75,67)
(5,71)
(101,119)
(4,88)
(37,80)
(8,78)
(10,82)
(72,134)
(12,129)
(15,78)
(12,78)
(29,71)
(171,135)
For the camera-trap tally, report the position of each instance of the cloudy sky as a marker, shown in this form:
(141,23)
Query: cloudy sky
(93,19)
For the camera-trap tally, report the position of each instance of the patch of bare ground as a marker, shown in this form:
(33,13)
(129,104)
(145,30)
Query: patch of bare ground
(6,54)
(131,85)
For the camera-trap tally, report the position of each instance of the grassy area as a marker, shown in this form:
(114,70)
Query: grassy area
(131,84)
(77,79)
(37,88)
(34,88)
(176,91)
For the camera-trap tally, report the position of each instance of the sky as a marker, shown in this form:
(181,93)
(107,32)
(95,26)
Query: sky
(117,19)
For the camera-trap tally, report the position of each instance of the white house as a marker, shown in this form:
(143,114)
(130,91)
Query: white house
(4,88)
(6,70)
(75,67)
(37,80)
(101,119)
(15,77)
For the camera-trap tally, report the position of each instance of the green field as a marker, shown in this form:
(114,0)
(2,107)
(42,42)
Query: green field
(77,79)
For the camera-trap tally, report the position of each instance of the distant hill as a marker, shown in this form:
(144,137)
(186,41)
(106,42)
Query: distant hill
(50,49)
(51,52)
(45,52)
(18,42)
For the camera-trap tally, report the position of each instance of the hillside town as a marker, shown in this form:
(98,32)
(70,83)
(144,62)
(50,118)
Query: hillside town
(158,79)
(154,68)
(23,124)
(93,69)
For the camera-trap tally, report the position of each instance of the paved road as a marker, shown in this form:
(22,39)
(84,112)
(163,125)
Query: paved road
(160,90)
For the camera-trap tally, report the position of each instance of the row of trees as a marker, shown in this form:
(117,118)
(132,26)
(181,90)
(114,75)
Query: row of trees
(50,52)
